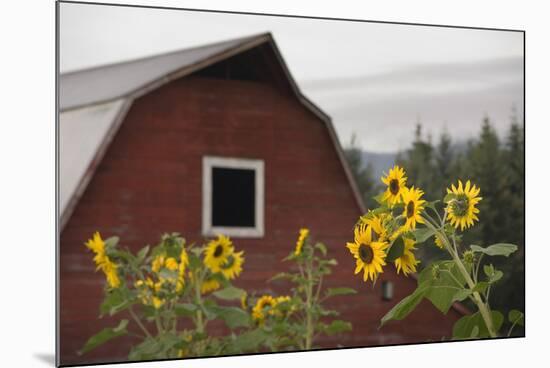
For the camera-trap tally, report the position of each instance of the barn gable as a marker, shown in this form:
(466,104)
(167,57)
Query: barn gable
(104,95)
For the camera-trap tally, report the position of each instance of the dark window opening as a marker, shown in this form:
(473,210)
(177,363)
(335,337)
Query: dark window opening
(233,197)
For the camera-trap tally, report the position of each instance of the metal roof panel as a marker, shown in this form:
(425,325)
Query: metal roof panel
(108,82)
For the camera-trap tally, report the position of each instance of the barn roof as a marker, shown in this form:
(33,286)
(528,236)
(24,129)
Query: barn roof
(113,81)
(93,103)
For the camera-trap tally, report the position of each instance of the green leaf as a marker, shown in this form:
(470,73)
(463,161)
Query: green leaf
(330,292)
(464,328)
(232,316)
(148,349)
(489,270)
(460,295)
(405,306)
(322,248)
(142,254)
(492,274)
(328,313)
(432,204)
(116,300)
(515,316)
(337,326)
(396,250)
(422,234)
(441,291)
(194,260)
(104,335)
(185,309)
(282,276)
(167,274)
(230,293)
(380,210)
(159,347)
(481,286)
(497,276)
(378,198)
(499,249)
(111,242)
(249,341)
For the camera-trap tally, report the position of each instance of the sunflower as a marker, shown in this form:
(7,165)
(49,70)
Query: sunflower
(413,207)
(376,223)
(304,233)
(282,299)
(233,267)
(103,262)
(217,253)
(244,301)
(407,262)
(97,245)
(461,210)
(439,241)
(184,352)
(369,254)
(158,302)
(111,274)
(171,264)
(209,285)
(184,261)
(148,292)
(277,310)
(158,263)
(258,312)
(395,180)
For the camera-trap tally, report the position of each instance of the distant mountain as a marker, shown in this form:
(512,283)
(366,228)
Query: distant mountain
(381,162)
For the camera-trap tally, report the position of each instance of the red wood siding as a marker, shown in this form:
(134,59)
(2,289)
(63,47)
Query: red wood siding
(150,182)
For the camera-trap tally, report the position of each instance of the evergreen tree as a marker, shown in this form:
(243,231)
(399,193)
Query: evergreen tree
(486,168)
(490,167)
(513,292)
(362,173)
(419,163)
(443,162)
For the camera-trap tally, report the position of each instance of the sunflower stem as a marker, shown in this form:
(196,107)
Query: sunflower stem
(309,296)
(138,321)
(482,307)
(485,313)
(198,301)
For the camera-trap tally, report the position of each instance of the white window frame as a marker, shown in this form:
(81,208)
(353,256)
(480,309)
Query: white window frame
(208,162)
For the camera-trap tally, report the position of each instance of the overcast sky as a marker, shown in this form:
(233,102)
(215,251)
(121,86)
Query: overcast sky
(373,79)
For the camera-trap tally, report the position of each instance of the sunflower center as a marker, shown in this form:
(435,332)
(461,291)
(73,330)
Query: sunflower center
(460,205)
(410,209)
(394,186)
(374,235)
(218,251)
(365,253)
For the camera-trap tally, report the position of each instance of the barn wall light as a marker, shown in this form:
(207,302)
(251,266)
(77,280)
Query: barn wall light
(387,290)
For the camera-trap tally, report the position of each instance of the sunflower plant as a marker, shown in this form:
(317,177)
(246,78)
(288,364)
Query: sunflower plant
(390,234)
(295,321)
(167,295)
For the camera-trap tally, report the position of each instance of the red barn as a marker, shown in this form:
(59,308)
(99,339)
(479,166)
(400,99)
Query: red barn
(171,142)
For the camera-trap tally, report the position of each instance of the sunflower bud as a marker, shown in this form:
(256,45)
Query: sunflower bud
(468,257)
(436,272)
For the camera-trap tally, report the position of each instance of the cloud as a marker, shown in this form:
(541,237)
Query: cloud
(383,109)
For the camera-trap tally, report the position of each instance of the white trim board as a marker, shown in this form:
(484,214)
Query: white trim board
(208,162)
